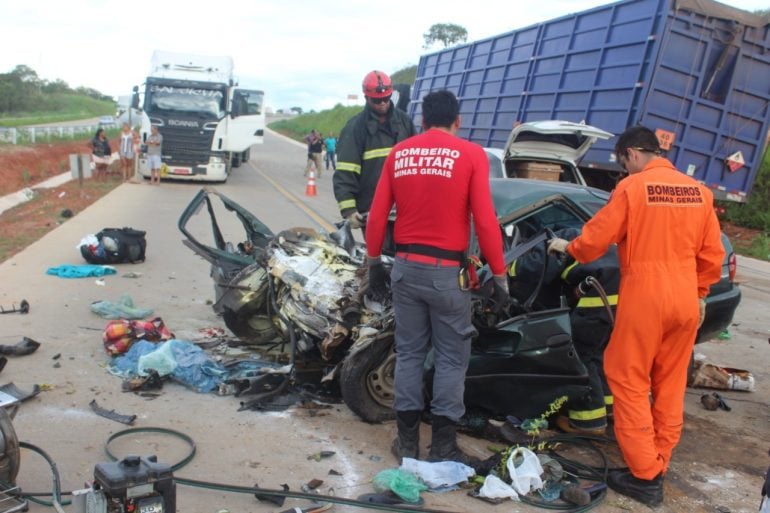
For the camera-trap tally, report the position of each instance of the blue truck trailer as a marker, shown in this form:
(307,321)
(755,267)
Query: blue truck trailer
(695,71)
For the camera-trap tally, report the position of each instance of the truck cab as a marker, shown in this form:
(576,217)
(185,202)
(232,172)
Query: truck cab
(207,123)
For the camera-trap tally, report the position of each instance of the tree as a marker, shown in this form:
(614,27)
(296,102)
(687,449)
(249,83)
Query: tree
(445,33)
(57,86)
(25,73)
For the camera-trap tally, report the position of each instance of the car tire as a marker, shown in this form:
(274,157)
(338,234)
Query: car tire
(366,381)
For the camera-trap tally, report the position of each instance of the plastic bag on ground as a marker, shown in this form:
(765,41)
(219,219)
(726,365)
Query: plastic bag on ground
(190,365)
(123,308)
(496,488)
(439,475)
(524,470)
(126,365)
(162,360)
(405,485)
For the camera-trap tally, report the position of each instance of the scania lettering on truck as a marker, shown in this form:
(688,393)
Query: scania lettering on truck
(208,124)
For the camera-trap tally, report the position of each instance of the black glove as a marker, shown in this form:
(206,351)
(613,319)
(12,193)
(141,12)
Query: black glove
(378,289)
(500,294)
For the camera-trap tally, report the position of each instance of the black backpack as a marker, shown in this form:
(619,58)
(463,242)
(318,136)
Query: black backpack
(131,245)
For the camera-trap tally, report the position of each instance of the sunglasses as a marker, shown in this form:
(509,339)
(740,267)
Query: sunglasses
(378,101)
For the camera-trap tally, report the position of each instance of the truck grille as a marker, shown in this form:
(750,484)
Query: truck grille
(185,146)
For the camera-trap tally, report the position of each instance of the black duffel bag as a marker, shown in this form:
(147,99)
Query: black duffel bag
(116,246)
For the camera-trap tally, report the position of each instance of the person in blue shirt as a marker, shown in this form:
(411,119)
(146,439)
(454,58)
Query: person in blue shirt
(331,151)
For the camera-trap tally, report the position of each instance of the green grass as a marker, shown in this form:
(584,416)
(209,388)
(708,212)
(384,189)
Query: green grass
(760,247)
(61,107)
(326,121)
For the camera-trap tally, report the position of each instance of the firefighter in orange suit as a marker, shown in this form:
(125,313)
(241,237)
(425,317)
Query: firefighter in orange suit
(670,252)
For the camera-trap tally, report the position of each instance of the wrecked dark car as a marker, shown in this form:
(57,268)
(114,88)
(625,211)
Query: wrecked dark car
(302,293)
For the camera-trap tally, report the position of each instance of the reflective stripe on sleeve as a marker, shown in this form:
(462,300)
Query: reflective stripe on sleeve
(594,302)
(567,269)
(598,413)
(349,166)
(348,203)
(375,154)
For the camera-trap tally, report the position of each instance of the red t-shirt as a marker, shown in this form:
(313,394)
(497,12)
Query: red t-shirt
(436,180)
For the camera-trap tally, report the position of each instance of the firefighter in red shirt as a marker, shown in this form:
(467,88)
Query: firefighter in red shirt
(670,252)
(436,181)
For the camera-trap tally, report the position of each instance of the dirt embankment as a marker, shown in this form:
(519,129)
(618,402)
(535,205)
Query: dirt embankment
(27,166)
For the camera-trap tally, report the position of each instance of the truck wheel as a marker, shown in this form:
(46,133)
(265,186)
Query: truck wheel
(235,159)
(246,156)
(366,381)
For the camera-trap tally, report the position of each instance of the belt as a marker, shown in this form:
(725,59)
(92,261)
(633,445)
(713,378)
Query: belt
(429,260)
(432,251)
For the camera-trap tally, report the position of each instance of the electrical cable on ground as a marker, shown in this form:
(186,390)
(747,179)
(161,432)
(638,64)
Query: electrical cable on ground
(579,469)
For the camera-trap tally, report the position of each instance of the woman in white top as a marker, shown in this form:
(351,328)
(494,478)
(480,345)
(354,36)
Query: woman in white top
(127,151)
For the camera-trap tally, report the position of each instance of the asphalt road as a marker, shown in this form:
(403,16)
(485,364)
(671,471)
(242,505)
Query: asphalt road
(245,448)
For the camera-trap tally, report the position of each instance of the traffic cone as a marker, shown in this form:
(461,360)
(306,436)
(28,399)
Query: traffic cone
(310,188)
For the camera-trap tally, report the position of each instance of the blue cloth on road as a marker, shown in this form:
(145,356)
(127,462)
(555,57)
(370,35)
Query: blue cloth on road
(80,271)
(182,360)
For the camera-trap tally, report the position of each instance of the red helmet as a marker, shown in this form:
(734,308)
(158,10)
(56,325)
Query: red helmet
(377,84)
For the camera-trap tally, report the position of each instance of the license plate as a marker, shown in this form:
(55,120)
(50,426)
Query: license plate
(181,170)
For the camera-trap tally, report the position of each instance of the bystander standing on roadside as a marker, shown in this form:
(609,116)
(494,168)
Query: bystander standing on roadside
(314,151)
(101,153)
(127,151)
(154,151)
(331,151)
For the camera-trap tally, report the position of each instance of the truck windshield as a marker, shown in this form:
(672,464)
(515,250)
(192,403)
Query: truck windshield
(207,102)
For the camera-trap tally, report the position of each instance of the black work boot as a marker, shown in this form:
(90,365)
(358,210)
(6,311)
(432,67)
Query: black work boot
(646,491)
(407,443)
(444,444)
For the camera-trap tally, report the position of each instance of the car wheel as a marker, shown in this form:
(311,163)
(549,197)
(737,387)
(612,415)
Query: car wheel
(366,381)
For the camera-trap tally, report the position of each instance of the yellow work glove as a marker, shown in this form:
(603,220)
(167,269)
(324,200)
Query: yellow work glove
(701,311)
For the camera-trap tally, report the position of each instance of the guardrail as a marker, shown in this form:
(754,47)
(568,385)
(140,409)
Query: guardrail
(33,134)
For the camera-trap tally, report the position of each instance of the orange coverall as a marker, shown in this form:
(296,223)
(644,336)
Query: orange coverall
(670,252)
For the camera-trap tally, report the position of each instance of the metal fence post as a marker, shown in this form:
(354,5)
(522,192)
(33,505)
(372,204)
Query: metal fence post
(32,134)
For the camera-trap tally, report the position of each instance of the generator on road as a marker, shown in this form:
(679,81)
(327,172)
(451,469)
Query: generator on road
(132,485)
(694,71)
(208,124)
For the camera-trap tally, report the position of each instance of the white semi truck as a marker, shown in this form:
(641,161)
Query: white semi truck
(208,124)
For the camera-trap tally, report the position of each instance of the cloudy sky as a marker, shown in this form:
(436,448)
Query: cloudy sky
(300,52)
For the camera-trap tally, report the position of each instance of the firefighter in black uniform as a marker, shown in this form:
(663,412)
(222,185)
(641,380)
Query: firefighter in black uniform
(364,143)
(590,319)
